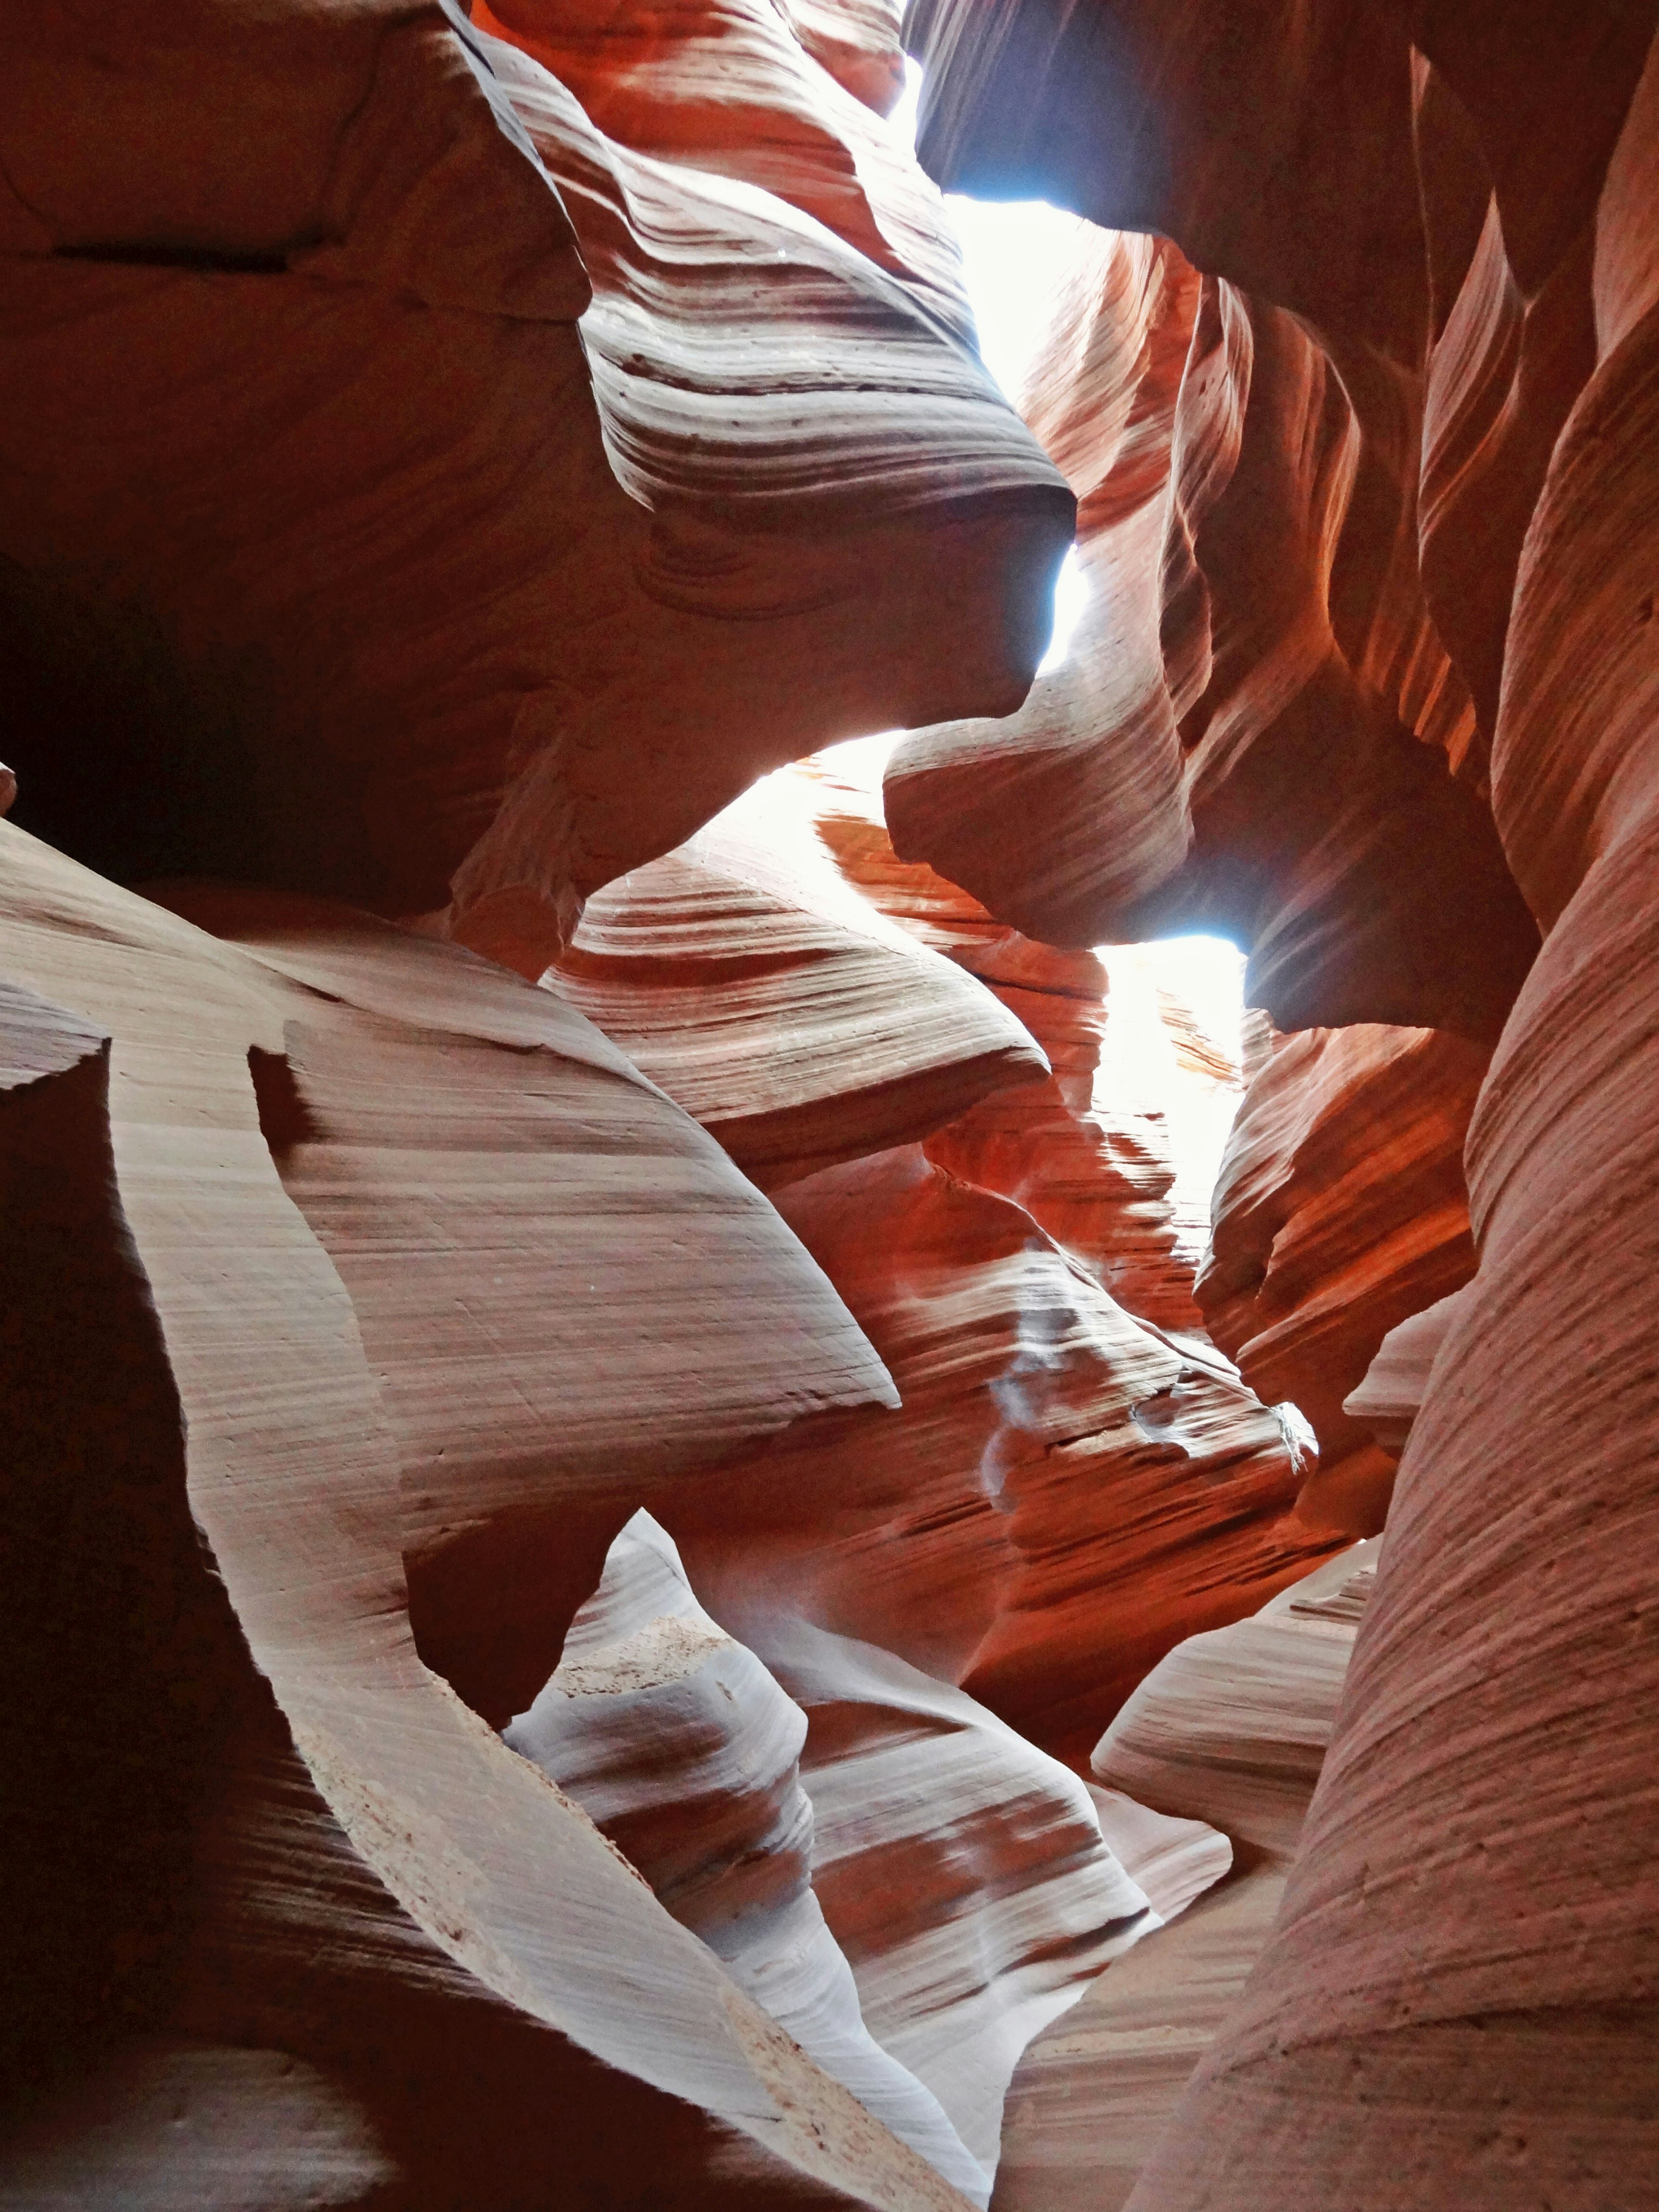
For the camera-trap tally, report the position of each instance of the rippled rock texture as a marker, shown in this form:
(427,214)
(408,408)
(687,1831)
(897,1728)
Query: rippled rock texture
(1406,540)
(1340,1210)
(636,1574)
(457,535)
(1069,1484)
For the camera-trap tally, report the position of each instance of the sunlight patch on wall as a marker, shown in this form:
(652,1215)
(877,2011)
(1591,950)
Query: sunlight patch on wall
(1174,1051)
(1014,254)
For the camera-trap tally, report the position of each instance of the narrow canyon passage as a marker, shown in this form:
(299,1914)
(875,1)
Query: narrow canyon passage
(828,1160)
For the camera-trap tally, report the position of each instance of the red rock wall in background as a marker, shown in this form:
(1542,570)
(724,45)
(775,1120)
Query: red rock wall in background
(1070,1484)
(355,1292)
(1089,1169)
(319,1850)
(1422,419)
(381,581)
(1257,731)
(443,464)
(1340,1210)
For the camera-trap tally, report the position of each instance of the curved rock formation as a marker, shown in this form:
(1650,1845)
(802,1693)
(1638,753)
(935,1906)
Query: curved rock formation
(686,1753)
(444,481)
(254,1154)
(1531,1591)
(1062,1494)
(963,1871)
(1091,1169)
(1257,728)
(1391,1397)
(735,86)
(1232,1727)
(799,1026)
(383,574)
(1339,1210)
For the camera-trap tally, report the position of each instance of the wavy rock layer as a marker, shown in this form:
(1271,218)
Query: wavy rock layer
(1514,1773)
(1236,1724)
(1456,2005)
(799,1026)
(249,1158)
(963,1871)
(1340,1210)
(1062,1494)
(1258,730)
(686,1753)
(453,517)
(1089,1169)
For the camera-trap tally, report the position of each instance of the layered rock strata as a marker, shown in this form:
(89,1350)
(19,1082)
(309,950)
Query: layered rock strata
(273,1487)
(1391,1397)
(797,1024)
(1457,2002)
(1230,1728)
(1340,1210)
(1510,2054)
(1062,1494)
(1065,1492)
(686,1753)
(458,533)
(1085,1162)
(1256,727)
(421,491)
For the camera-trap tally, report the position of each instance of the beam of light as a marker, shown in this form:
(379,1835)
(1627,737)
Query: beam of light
(1013,256)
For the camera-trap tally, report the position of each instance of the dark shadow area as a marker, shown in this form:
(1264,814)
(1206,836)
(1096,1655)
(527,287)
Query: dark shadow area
(115,1636)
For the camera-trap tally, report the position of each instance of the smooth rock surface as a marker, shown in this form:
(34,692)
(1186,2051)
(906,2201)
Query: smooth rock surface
(376,1884)
(686,1753)
(1340,1210)
(451,520)
(1231,1727)
(798,1024)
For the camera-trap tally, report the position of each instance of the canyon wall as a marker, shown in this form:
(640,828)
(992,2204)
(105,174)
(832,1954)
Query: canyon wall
(638,1571)
(1427,242)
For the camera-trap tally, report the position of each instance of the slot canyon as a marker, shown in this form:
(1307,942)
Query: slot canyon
(706,1503)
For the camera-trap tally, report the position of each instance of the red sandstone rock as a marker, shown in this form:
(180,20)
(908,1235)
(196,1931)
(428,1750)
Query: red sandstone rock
(1062,1494)
(1457,2005)
(259,1173)
(857,41)
(963,1871)
(1391,1397)
(1339,1210)
(686,1753)
(1092,2095)
(797,1025)
(1089,1168)
(381,569)
(378,572)
(1232,1727)
(986,1532)
(734,86)
(1254,729)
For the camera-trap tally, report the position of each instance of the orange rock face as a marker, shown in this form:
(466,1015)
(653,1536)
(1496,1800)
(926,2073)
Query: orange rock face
(659,1591)
(1257,731)
(376,556)
(1064,1492)
(1090,1170)
(1340,1210)
(1455,2005)
(799,1025)
(309,1467)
